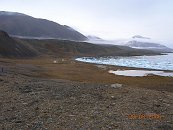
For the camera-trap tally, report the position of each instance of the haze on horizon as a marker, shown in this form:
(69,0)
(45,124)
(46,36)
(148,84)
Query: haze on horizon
(108,19)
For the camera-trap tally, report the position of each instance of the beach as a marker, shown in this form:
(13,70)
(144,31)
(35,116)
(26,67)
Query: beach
(42,94)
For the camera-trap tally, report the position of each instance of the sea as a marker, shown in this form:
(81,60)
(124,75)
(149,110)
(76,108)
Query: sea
(158,62)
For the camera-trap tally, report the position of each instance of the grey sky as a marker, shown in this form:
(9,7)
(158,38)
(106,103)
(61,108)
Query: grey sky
(109,19)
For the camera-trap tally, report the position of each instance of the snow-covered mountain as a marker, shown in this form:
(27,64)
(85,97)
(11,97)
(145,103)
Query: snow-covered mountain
(91,37)
(140,42)
(137,42)
(141,37)
(98,40)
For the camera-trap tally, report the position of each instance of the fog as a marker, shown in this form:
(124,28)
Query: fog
(108,19)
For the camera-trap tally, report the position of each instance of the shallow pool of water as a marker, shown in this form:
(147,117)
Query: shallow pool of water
(140,73)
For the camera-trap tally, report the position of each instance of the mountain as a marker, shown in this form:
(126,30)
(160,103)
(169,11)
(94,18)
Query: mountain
(18,24)
(65,48)
(91,37)
(136,42)
(10,47)
(139,42)
(21,48)
(138,36)
(98,40)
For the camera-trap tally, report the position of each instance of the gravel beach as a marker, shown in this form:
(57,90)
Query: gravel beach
(33,103)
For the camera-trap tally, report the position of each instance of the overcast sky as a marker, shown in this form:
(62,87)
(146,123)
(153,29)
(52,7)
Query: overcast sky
(108,19)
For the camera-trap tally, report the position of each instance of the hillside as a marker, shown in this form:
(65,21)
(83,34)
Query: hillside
(22,25)
(64,48)
(13,48)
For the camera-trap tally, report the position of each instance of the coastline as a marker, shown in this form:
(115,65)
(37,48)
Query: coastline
(146,62)
(40,94)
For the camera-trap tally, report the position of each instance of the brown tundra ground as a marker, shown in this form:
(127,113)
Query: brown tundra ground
(69,95)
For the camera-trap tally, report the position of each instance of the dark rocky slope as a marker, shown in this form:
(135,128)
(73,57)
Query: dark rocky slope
(26,26)
(64,48)
(10,47)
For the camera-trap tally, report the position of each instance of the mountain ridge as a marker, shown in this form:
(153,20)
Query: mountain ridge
(20,48)
(19,24)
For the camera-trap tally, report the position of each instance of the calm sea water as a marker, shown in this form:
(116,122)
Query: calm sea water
(160,62)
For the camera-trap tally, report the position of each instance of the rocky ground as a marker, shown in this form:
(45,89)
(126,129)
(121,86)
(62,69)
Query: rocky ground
(29,103)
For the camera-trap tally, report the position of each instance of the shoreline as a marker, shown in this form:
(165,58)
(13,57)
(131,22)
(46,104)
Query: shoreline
(137,68)
(126,67)
(35,97)
(72,70)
